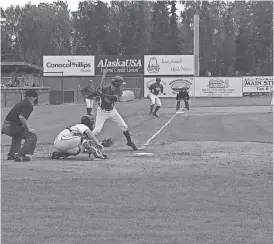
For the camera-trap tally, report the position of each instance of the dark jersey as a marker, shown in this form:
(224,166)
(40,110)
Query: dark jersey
(23,108)
(87,90)
(108,102)
(156,88)
(182,95)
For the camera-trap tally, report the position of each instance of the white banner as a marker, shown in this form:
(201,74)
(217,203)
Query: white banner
(69,65)
(172,85)
(257,85)
(168,65)
(218,87)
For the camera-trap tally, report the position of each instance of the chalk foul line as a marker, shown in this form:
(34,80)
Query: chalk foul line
(159,131)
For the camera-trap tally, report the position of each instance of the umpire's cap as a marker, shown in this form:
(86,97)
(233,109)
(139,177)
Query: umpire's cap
(118,80)
(31,93)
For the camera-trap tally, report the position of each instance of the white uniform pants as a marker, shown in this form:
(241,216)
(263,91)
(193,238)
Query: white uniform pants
(155,100)
(68,144)
(103,115)
(89,103)
(271,105)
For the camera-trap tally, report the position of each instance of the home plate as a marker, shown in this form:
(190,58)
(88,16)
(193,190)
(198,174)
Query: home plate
(180,112)
(143,154)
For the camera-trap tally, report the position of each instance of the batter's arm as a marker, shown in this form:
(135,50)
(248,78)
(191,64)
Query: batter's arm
(112,98)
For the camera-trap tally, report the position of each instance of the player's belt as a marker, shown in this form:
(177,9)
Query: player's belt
(106,109)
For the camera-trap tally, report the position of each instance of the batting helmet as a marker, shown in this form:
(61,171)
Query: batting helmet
(118,83)
(118,80)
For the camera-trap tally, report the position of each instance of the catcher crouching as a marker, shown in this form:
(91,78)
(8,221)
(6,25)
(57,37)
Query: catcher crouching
(78,138)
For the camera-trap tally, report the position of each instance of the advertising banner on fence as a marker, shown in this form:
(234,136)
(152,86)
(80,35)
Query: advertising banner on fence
(127,65)
(257,85)
(218,87)
(169,65)
(69,65)
(172,85)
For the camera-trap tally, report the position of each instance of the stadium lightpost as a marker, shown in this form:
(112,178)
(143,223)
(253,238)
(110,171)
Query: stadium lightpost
(196,46)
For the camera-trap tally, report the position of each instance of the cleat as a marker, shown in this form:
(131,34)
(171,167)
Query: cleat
(59,155)
(155,115)
(100,155)
(132,145)
(10,156)
(54,155)
(21,157)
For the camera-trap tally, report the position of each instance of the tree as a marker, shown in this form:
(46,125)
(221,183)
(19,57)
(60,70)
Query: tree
(174,33)
(160,34)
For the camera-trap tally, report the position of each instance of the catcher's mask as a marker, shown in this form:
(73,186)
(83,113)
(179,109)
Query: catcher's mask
(118,83)
(88,121)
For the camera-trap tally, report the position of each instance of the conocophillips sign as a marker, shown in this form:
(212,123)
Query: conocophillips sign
(68,65)
(120,65)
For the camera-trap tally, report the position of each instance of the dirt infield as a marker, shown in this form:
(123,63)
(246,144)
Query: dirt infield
(207,179)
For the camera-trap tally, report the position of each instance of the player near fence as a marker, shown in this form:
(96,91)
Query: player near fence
(182,95)
(76,139)
(271,102)
(155,90)
(16,126)
(87,91)
(106,110)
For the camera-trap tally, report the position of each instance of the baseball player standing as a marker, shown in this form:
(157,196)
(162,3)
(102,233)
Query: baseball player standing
(87,91)
(109,95)
(182,95)
(155,89)
(271,102)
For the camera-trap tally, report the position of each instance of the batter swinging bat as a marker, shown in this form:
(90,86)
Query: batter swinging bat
(103,77)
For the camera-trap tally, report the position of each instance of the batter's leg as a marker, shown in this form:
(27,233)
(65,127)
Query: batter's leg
(116,117)
(101,118)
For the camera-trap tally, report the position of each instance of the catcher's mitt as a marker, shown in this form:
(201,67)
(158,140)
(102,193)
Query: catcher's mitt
(107,142)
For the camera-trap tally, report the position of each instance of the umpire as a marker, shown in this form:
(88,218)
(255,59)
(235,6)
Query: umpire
(16,126)
(87,90)
(182,95)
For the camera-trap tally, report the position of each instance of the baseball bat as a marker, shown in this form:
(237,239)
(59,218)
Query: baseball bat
(103,77)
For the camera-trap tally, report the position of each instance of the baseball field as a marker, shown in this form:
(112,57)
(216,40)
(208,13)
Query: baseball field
(207,179)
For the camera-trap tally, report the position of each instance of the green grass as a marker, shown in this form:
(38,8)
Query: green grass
(209,181)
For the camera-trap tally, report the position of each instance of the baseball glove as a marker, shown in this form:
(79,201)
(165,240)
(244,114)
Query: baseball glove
(107,142)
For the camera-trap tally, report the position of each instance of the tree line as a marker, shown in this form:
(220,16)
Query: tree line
(236,37)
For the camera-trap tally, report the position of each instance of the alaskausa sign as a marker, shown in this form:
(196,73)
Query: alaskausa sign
(68,65)
(120,65)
